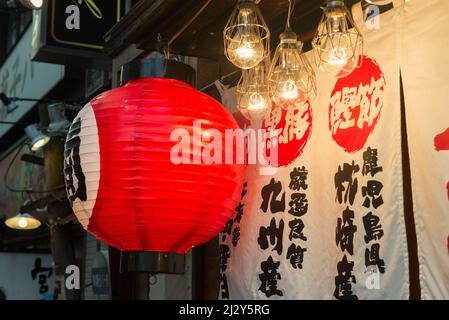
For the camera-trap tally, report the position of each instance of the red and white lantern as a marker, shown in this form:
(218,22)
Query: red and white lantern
(120,180)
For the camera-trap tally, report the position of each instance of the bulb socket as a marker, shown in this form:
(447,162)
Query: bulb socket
(246,7)
(335,3)
(288,37)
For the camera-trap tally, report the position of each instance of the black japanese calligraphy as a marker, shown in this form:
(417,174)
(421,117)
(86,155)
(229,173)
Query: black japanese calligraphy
(227,229)
(238,213)
(298,204)
(372,258)
(72,167)
(373,228)
(224,256)
(43,273)
(235,236)
(370,160)
(298,178)
(269,278)
(296,230)
(345,231)
(344,280)
(224,290)
(372,193)
(270,196)
(345,183)
(271,235)
(296,255)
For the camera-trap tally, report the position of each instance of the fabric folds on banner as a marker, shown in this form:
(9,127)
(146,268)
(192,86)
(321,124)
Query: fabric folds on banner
(329,224)
(425,71)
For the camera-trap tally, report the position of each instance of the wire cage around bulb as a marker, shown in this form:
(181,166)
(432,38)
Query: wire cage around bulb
(338,42)
(253,94)
(291,78)
(246,36)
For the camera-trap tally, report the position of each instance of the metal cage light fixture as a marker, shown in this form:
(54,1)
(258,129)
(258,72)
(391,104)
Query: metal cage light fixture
(246,36)
(337,47)
(291,78)
(253,94)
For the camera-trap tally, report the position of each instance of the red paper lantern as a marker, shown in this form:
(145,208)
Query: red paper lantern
(123,186)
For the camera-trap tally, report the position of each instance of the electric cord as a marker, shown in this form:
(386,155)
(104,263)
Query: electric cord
(29,188)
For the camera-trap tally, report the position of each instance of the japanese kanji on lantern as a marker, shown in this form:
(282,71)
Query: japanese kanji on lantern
(120,179)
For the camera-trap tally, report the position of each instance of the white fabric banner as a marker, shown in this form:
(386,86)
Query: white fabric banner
(329,224)
(425,71)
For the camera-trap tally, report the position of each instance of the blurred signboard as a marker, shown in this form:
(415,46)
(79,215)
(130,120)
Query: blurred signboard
(21,77)
(25,276)
(71,29)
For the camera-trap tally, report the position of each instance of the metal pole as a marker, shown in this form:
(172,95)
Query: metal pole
(62,243)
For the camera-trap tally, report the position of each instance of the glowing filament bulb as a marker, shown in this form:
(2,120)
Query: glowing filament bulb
(289,90)
(257,102)
(338,56)
(338,42)
(246,36)
(23,223)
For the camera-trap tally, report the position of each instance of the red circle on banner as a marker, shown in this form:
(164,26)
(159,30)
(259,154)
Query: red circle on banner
(292,128)
(355,105)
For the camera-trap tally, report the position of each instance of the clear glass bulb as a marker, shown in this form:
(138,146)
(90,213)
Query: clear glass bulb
(337,49)
(291,77)
(254,105)
(285,88)
(337,52)
(337,46)
(246,48)
(246,36)
(253,96)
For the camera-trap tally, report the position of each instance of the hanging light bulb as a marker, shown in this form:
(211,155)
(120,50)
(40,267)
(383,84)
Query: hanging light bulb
(291,78)
(337,47)
(253,96)
(246,36)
